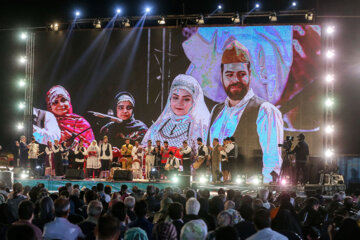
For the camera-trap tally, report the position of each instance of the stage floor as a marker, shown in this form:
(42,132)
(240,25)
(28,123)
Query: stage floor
(301,190)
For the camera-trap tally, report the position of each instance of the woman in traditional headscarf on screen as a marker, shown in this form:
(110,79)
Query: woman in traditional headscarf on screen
(185,117)
(59,103)
(129,127)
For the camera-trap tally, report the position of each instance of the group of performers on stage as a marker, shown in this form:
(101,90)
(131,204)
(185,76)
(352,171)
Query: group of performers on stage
(218,161)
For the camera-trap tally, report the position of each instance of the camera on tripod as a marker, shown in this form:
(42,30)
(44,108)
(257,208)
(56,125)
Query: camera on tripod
(287,143)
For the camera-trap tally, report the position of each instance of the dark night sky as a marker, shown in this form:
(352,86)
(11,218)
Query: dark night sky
(17,14)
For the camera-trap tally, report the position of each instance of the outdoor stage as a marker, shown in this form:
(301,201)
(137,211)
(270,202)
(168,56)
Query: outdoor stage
(250,189)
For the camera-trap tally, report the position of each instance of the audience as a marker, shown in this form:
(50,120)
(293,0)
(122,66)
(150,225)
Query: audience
(172,213)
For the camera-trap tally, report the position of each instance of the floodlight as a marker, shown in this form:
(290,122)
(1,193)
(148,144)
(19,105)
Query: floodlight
(21,105)
(329,153)
(294,4)
(329,102)
(22,59)
(118,10)
(329,129)
(147,10)
(257,5)
(20,126)
(219,6)
(330,53)
(77,13)
(329,78)
(23,36)
(330,30)
(22,83)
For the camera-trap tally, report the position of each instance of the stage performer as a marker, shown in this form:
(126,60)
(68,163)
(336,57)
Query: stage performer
(93,163)
(80,153)
(126,151)
(45,126)
(225,160)
(126,127)
(137,154)
(59,103)
(24,152)
(49,160)
(58,150)
(65,159)
(185,151)
(215,161)
(158,153)
(302,164)
(201,157)
(185,116)
(33,153)
(172,164)
(106,154)
(235,164)
(256,124)
(149,159)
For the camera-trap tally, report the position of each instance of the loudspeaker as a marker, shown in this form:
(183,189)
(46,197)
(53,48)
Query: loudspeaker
(123,175)
(184,180)
(7,178)
(74,174)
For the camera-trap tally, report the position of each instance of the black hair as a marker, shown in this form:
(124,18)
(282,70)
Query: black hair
(26,209)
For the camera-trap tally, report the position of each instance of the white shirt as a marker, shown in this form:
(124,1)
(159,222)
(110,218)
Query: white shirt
(270,129)
(33,150)
(229,147)
(77,151)
(135,154)
(185,150)
(267,234)
(171,162)
(204,148)
(62,229)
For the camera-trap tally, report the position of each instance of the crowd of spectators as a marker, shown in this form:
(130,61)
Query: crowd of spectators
(173,213)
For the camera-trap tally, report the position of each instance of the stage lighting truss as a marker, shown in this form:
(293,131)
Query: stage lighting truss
(161,21)
(54,26)
(200,20)
(309,16)
(97,23)
(236,18)
(126,22)
(273,17)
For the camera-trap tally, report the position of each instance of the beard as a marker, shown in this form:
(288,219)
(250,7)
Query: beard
(238,93)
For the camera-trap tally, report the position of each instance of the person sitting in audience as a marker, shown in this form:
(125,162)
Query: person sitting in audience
(163,213)
(164,231)
(141,221)
(194,229)
(21,231)
(118,210)
(129,204)
(192,210)
(135,233)
(61,228)
(14,199)
(87,226)
(107,228)
(46,213)
(262,223)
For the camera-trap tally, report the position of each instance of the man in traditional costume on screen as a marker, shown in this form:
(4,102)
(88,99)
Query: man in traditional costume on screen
(137,158)
(45,126)
(59,103)
(126,151)
(125,126)
(185,151)
(256,124)
(149,158)
(185,116)
(106,154)
(93,163)
(33,153)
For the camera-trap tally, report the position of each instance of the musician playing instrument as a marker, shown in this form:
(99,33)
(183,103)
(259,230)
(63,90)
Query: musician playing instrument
(172,164)
(185,151)
(126,151)
(201,157)
(80,153)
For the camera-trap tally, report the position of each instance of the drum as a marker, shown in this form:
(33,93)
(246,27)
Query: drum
(198,163)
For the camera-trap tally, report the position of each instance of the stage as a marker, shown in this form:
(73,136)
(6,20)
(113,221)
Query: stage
(250,189)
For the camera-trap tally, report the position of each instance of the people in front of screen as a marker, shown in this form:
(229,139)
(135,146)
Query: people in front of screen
(215,160)
(33,153)
(126,151)
(254,122)
(24,152)
(49,160)
(93,163)
(172,164)
(80,153)
(185,116)
(185,151)
(106,154)
(137,154)
(129,127)
(149,158)
(59,103)
(57,150)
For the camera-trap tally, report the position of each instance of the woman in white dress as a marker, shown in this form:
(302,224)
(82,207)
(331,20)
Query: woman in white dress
(185,116)
(93,163)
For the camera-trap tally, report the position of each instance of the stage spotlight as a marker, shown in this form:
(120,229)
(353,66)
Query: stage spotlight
(329,153)
(22,83)
(257,5)
(147,10)
(175,179)
(330,53)
(273,17)
(200,20)
(329,129)
(97,23)
(309,16)
(236,18)
(330,30)
(257,179)
(20,126)
(22,59)
(54,26)
(21,105)
(118,10)
(283,182)
(24,175)
(126,22)
(162,21)
(203,179)
(294,4)
(23,36)
(219,6)
(77,13)
(329,78)
(329,102)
